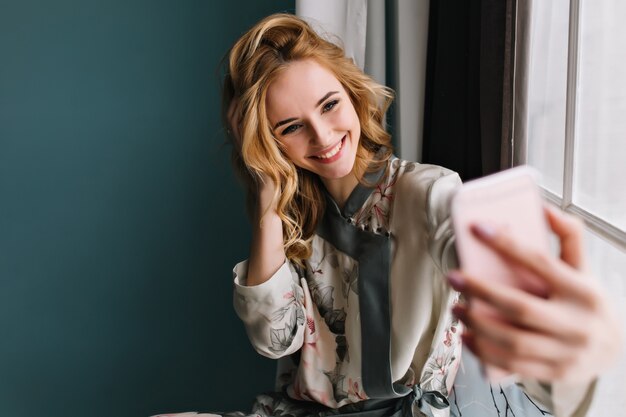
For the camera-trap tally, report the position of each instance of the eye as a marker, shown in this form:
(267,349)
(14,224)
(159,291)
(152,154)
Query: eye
(290,129)
(330,105)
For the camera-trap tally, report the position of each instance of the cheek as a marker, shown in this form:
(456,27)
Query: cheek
(348,118)
(288,151)
(294,151)
(354,118)
(355,124)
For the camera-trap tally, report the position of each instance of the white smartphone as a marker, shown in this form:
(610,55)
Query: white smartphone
(508,200)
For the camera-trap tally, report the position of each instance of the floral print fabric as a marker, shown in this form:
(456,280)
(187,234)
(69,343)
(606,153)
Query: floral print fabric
(314,311)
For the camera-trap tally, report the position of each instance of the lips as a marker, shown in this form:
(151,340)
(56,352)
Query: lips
(330,154)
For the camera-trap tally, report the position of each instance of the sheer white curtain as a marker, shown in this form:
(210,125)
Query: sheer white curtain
(360,26)
(570,100)
(342,21)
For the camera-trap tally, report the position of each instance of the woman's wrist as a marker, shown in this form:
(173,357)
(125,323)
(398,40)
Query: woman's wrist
(265,196)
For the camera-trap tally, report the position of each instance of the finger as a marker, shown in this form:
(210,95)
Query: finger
(493,355)
(519,307)
(570,231)
(558,275)
(518,343)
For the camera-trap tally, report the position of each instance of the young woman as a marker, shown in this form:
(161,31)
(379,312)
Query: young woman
(346,280)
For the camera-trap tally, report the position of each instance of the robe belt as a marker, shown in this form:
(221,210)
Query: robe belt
(401,406)
(423,399)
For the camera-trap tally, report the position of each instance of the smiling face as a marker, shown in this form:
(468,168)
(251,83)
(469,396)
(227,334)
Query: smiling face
(313,118)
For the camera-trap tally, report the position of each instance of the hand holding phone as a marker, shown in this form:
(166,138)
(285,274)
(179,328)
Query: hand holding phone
(509,201)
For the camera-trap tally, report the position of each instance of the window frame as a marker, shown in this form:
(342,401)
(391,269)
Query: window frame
(596,224)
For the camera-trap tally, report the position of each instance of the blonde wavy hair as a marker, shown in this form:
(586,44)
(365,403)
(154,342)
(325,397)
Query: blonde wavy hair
(253,62)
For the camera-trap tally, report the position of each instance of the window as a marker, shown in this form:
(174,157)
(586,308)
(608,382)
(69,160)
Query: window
(573,130)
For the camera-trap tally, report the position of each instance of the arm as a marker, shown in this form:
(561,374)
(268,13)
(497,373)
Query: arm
(267,252)
(272,312)
(267,293)
(268,297)
(447,341)
(441,234)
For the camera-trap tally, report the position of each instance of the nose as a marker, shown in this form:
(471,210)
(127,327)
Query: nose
(321,133)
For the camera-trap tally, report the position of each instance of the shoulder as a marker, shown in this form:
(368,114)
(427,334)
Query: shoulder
(415,180)
(422,192)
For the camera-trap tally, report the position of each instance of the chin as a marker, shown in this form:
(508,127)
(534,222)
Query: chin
(347,171)
(337,172)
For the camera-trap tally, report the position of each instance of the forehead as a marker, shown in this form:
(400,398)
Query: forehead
(298,89)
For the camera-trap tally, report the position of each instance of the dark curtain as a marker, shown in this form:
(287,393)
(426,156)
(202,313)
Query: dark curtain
(469,80)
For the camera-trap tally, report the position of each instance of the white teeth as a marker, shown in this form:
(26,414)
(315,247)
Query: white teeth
(332,152)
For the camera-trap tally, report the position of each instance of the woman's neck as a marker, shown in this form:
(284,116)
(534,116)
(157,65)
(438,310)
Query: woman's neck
(341,188)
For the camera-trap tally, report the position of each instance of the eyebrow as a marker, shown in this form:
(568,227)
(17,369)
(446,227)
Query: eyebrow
(330,93)
(284,122)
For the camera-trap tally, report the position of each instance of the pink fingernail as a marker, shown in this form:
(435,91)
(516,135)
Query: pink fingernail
(459,312)
(456,280)
(484,231)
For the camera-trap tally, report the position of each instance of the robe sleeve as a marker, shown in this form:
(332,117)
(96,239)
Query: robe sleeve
(564,399)
(272,312)
(443,362)
(441,367)
(441,235)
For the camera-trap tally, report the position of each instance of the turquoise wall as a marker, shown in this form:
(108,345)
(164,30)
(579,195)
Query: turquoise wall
(120,220)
